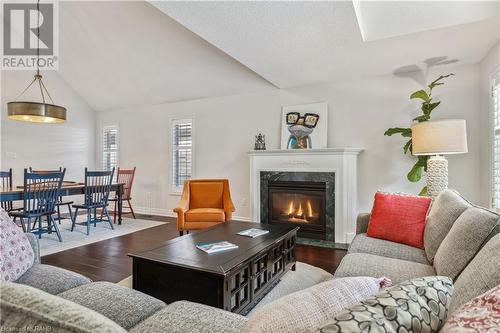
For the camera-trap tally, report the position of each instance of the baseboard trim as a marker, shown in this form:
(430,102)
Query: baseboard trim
(154,211)
(170,213)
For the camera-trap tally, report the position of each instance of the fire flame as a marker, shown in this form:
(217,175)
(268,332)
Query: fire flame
(290,208)
(300,212)
(309,209)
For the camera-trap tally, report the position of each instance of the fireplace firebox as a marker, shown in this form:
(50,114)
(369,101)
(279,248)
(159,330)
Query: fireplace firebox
(300,203)
(302,198)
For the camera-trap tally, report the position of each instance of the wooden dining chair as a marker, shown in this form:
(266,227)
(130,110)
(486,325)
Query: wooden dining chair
(40,194)
(96,196)
(125,176)
(60,201)
(6,183)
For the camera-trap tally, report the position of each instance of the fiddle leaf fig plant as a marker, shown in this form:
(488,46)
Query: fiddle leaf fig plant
(428,105)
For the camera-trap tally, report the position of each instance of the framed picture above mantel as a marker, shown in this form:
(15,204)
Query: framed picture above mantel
(304,126)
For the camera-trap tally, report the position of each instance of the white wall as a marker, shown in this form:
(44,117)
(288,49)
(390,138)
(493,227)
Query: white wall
(47,146)
(360,112)
(489,65)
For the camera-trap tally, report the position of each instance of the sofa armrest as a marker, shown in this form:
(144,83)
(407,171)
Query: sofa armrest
(35,246)
(362,223)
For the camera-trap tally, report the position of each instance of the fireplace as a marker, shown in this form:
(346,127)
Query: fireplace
(300,203)
(301,198)
(335,167)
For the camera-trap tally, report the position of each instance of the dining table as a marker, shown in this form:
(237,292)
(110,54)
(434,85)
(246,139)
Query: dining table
(67,188)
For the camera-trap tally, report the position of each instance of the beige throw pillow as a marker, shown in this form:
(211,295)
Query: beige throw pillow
(305,310)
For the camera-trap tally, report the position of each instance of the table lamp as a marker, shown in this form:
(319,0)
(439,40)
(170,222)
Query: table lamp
(438,138)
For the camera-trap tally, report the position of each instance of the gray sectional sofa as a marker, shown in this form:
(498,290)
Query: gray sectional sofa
(461,241)
(55,299)
(48,298)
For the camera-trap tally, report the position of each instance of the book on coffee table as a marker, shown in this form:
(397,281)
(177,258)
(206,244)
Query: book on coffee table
(253,232)
(216,246)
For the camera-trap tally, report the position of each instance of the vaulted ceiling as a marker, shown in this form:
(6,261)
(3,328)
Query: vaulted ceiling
(302,43)
(123,54)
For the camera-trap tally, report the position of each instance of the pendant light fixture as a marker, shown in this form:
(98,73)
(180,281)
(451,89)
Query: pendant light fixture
(37,112)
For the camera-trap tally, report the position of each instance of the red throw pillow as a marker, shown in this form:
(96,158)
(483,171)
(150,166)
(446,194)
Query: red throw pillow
(399,218)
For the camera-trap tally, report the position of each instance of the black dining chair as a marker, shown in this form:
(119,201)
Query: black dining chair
(96,196)
(40,195)
(60,201)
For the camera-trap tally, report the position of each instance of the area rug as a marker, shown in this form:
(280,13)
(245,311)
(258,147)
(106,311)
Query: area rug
(303,277)
(50,244)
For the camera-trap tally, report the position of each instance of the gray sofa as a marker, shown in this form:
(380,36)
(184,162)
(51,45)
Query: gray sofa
(47,296)
(461,241)
(52,299)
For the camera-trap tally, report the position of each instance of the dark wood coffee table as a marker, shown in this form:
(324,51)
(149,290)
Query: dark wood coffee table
(234,280)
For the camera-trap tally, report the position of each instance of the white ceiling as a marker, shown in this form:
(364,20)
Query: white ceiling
(302,43)
(127,54)
(383,19)
(124,54)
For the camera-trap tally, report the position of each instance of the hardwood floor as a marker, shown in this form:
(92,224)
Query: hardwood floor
(107,260)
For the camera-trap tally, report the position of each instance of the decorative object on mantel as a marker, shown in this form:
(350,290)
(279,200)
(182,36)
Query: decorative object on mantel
(304,126)
(36,112)
(428,105)
(436,139)
(260,142)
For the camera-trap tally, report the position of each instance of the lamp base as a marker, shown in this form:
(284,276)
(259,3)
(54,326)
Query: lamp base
(437,175)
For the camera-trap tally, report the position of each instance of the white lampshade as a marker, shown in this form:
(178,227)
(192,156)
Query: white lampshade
(439,137)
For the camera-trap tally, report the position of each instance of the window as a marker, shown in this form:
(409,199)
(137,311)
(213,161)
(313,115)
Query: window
(109,147)
(495,99)
(182,152)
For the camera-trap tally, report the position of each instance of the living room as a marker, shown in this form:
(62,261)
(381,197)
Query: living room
(162,126)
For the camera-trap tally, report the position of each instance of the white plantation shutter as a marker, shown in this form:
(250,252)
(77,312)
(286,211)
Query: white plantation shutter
(495,98)
(109,147)
(182,152)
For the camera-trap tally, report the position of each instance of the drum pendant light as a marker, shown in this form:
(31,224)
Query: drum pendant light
(37,112)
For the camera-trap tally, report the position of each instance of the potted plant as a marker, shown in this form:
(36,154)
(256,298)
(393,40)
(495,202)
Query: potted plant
(428,105)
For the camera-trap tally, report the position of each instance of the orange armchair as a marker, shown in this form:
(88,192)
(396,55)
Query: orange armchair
(204,203)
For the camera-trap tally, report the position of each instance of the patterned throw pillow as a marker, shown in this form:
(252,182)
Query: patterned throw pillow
(418,305)
(303,310)
(16,254)
(482,314)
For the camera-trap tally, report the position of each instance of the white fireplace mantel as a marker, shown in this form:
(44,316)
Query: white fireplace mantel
(341,161)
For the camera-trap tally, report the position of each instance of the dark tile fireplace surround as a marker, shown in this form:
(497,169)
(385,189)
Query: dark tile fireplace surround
(306,199)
